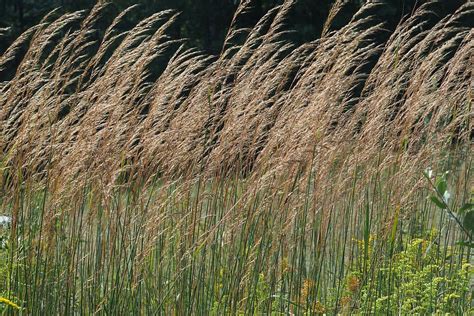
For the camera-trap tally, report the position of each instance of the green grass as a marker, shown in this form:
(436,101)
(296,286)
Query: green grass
(238,246)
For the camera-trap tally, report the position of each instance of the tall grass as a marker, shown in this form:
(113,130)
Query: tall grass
(83,103)
(145,178)
(240,246)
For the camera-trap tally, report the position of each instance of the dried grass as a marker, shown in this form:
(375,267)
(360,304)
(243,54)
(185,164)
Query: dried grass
(138,104)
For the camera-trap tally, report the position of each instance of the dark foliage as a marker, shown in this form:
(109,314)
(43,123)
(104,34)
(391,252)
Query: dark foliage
(203,22)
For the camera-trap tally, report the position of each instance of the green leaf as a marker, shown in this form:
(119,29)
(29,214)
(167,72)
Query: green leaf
(441,185)
(468,222)
(438,202)
(465,244)
(466,207)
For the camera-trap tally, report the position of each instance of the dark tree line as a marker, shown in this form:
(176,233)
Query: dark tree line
(203,22)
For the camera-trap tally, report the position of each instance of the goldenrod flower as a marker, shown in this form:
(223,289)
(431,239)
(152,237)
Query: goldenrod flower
(353,283)
(318,308)
(285,265)
(306,288)
(8,302)
(346,300)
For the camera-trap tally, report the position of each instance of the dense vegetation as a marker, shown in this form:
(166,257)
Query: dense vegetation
(274,173)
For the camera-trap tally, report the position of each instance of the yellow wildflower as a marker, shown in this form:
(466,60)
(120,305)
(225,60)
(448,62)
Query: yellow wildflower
(306,288)
(318,308)
(346,300)
(285,265)
(353,283)
(8,302)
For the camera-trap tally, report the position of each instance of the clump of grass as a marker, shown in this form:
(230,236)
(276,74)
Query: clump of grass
(233,245)
(269,179)
(263,103)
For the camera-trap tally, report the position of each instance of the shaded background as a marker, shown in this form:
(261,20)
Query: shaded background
(203,22)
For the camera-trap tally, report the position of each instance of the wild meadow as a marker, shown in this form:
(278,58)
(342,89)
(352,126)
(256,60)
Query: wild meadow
(139,176)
